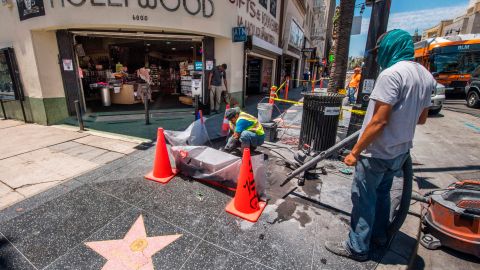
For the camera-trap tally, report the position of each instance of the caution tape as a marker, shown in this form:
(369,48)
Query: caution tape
(287,101)
(358,112)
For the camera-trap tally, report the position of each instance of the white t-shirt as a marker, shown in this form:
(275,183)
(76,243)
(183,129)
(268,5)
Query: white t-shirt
(407,86)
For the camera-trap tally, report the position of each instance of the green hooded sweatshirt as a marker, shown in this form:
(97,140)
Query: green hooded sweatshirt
(396,46)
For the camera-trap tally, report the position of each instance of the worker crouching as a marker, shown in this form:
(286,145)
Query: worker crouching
(247,130)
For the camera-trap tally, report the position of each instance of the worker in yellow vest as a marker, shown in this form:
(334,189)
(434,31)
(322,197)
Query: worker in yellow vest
(247,130)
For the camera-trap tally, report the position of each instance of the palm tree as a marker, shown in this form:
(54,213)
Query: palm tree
(342,28)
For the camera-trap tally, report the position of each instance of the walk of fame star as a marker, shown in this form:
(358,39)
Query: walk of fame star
(134,251)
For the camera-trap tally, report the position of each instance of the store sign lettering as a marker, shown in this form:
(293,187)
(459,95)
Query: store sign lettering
(255,13)
(257,20)
(192,7)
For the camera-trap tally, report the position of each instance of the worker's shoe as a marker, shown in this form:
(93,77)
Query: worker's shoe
(341,249)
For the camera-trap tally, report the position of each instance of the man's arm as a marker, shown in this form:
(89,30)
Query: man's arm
(423,117)
(226,83)
(380,118)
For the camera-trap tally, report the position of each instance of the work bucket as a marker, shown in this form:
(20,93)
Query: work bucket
(264,112)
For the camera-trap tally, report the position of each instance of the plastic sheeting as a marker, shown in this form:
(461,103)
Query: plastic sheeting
(208,164)
(195,134)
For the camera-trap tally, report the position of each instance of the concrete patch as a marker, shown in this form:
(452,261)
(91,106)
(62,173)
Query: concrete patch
(31,190)
(9,123)
(9,199)
(41,166)
(108,144)
(25,138)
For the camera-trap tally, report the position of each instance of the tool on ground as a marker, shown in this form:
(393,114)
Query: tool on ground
(320,156)
(453,217)
(162,169)
(245,204)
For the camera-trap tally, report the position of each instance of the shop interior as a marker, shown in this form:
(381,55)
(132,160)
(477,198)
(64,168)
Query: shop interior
(259,75)
(118,74)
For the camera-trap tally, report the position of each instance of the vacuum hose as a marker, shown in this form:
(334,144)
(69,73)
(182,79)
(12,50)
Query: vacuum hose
(401,214)
(404,203)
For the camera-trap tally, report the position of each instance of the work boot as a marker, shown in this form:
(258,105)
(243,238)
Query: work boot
(341,249)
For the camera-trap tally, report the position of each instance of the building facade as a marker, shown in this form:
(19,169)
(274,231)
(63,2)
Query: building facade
(467,23)
(58,52)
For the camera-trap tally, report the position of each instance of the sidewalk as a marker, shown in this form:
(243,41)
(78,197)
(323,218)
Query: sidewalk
(34,158)
(51,230)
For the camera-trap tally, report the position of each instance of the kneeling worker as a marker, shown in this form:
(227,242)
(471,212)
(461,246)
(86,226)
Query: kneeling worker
(247,130)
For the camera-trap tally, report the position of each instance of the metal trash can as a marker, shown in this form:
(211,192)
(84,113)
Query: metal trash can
(105,93)
(321,112)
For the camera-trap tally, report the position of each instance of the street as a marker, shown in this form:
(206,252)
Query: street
(457,104)
(240,134)
(446,150)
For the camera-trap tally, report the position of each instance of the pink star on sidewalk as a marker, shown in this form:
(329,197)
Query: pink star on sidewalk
(134,251)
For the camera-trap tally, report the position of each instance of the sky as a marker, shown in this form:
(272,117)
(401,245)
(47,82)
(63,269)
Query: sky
(409,15)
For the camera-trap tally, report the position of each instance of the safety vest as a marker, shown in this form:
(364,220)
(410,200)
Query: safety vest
(256,127)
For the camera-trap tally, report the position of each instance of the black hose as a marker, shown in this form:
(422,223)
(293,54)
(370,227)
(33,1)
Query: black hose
(404,203)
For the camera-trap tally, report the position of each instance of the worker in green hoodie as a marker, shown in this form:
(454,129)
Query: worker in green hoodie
(399,101)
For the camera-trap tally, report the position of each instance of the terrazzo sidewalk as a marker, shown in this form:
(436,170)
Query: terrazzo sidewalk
(51,230)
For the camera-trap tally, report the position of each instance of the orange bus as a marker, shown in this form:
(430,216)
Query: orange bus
(451,60)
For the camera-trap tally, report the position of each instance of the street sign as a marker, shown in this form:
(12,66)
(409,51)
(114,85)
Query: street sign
(239,34)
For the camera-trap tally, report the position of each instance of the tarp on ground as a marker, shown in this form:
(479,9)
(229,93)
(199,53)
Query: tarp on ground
(197,133)
(211,165)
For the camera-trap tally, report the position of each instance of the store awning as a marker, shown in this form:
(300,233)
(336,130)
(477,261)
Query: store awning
(137,35)
(262,44)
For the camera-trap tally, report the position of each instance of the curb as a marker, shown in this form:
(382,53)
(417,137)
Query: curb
(403,248)
(104,134)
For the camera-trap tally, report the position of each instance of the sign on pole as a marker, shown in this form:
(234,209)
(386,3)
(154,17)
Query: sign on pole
(239,34)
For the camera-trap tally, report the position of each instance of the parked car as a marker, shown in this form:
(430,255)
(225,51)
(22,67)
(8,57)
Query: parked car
(438,98)
(472,91)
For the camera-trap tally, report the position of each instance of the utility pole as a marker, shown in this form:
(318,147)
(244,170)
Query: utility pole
(378,26)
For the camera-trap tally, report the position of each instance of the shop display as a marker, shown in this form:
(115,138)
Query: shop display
(132,69)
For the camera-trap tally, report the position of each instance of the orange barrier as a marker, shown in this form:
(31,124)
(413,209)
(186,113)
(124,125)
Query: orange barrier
(162,169)
(273,93)
(225,124)
(245,204)
(287,85)
(314,81)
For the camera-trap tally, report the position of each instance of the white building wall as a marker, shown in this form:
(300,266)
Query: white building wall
(36,48)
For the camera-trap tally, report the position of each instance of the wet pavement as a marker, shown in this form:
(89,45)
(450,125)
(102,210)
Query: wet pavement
(184,222)
(50,230)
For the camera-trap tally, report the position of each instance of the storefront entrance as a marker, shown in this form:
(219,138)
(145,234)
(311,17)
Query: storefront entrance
(259,75)
(121,74)
(113,75)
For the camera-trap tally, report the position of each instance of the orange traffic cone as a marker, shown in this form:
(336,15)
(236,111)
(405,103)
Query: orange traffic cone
(246,204)
(225,124)
(162,169)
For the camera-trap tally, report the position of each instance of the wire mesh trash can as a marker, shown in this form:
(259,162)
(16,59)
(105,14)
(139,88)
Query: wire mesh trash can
(321,112)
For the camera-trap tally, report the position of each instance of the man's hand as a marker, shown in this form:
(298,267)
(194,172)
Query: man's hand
(350,160)
(209,87)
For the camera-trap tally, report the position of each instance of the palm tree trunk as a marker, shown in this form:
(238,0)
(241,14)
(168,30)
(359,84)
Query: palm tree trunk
(342,29)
